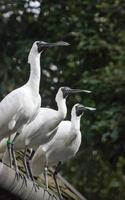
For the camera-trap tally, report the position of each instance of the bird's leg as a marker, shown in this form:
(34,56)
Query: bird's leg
(14,155)
(28,169)
(25,163)
(35,185)
(25,158)
(32,154)
(9,150)
(28,165)
(53,197)
(46,175)
(55,179)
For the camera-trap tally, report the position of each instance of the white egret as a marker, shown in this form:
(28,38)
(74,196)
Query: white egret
(21,106)
(43,128)
(61,148)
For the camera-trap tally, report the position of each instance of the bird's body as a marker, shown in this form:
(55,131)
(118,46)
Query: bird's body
(21,105)
(62,147)
(40,130)
(43,128)
(66,143)
(37,132)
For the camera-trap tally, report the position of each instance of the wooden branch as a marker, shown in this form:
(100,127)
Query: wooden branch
(21,188)
(71,187)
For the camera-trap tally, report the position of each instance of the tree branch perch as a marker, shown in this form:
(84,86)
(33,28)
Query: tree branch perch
(20,188)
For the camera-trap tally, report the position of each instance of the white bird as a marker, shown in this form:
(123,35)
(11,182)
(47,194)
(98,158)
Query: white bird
(62,147)
(21,106)
(43,128)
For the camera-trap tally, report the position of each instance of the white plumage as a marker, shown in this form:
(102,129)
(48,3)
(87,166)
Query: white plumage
(43,128)
(63,146)
(21,105)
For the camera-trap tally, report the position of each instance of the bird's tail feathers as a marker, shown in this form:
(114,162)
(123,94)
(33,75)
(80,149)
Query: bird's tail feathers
(38,162)
(5,158)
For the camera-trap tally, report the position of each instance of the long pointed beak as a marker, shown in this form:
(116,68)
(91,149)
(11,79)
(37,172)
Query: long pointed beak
(71,91)
(80,109)
(90,108)
(60,43)
(44,46)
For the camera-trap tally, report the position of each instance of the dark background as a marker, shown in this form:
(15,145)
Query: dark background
(94,60)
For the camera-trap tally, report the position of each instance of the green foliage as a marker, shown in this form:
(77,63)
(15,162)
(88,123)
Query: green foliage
(98,179)
(95,60)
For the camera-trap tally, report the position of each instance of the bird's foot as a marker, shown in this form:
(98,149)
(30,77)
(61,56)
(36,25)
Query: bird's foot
(35,186)
(17,175)
(60,197)
(24,180)
(45,191)
(54,197)
(50,196)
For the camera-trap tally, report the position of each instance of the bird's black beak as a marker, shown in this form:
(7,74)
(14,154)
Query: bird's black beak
(90,108)
(80,109)
(71,91)
(44,46)
(60,43)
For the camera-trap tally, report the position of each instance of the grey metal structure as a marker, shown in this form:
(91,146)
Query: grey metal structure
(20,188)
(11,188)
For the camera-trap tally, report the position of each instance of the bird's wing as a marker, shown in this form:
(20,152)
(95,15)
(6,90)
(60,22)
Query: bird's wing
(60,136)
(30,131)
(41,125)
(52,134)
(8,108)
(69,136)
(9,115)
(16,109)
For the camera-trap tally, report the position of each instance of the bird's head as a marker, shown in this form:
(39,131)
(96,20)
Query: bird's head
(39,47)
(64,92)
(79,109)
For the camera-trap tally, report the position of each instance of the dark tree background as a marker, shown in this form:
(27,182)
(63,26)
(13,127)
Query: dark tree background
(95,60)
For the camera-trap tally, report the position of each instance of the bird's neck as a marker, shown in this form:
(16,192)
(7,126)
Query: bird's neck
(62,108)
(35,72)
(75,123)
